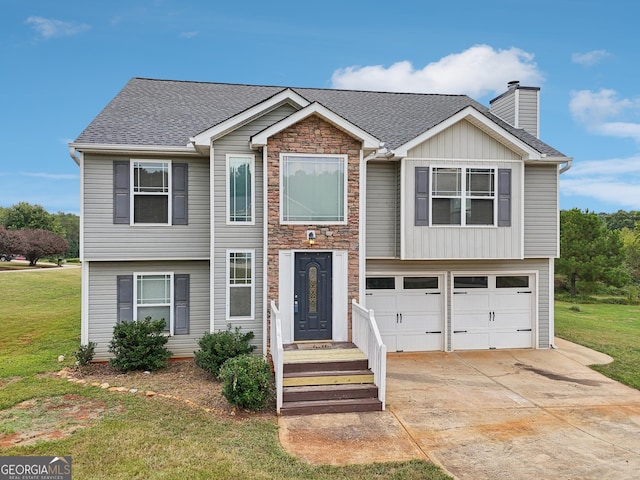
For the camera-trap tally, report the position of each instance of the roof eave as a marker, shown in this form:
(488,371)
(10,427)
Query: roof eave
(128,149)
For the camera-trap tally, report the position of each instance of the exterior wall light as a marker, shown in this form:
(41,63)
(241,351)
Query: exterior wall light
(311,237)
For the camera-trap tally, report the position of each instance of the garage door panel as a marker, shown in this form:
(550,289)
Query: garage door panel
(512,301)
(472,302)
(511,320)
(498,315)
(470,340)
(411,316)
(420,342)
(512,339)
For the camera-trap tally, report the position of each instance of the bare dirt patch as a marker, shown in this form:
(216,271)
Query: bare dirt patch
(182,381)
(50,418)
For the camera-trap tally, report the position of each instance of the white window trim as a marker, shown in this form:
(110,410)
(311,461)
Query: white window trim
(229,286)
(345,160)
(136,275)
(463,197)
(252,163)
(132,192)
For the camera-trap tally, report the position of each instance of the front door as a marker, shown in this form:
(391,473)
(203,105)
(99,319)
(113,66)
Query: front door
(312,305)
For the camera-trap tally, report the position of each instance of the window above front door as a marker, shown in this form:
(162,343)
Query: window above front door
(313,189)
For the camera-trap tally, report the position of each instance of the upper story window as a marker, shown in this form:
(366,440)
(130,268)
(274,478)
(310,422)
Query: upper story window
(463,196)
(151,191)
(240,189)
(313,189)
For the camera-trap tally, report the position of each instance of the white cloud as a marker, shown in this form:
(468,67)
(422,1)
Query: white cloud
(599,112)
(589,58)
(50,27)
(476,71)
(188,34)
(615,181)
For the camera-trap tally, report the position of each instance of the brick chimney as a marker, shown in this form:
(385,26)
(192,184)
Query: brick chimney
(519,106)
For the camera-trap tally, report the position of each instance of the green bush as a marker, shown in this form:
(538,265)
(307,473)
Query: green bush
(139,345)
(216,348)
(247,382)
(84,354)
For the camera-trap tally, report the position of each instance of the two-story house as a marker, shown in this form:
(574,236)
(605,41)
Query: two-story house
(201,203)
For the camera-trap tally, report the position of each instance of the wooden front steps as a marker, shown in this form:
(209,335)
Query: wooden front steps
(327,378)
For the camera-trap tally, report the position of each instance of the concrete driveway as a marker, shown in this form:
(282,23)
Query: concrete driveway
(517,414)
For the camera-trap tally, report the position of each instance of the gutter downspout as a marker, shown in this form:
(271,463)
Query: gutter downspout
(74,155)
(567,166)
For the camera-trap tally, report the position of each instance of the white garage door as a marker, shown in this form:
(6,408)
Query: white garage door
(409,311)
(492,311)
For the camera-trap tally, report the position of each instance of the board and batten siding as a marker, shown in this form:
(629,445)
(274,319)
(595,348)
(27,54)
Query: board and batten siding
(240,237)
(104,240)
(102,302)
(383,210)
(541,211)
(380,267)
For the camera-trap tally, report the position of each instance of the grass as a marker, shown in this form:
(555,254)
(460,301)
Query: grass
(142,438)
(611,329)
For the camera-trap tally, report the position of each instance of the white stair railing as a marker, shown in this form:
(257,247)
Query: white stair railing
(277,352)
(366,337)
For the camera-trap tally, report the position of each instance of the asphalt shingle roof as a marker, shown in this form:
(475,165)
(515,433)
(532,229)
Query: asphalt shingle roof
(169,112)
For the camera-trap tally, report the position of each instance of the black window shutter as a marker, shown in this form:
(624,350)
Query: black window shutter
(181,304)
(422,196)
(504,197)
(121,189)
(180,190)
(125,298)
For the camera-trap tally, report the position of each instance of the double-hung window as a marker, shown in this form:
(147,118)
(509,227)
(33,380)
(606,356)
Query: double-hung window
(463,196)
(240,284)
(151,191)
(313,189)
(240,189)
(153,297)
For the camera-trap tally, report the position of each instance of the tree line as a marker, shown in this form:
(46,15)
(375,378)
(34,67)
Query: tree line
(31,231)
(599,252)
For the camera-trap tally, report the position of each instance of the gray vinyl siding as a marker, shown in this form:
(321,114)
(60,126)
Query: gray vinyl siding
(104,240)
(240,237)
(102,293)
(528,110)
(383,219)
(462,145)
(505,107)
(541,266)
(541,211)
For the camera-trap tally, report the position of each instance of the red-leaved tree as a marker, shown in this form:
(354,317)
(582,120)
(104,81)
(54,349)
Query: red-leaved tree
(10,241)
(37,243)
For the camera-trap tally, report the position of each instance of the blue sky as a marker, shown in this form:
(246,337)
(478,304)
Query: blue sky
(62,62)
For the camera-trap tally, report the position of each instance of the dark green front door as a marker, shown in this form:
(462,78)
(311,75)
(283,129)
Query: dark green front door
(312,305)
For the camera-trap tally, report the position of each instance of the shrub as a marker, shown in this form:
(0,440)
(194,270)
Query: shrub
(216,348)
(575,308)
(139,345)
(84,354)
(247,382)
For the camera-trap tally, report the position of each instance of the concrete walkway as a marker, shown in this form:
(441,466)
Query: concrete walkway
(517,414)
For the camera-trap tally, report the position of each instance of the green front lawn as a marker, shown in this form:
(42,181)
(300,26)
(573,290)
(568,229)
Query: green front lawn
(136,438)
(611,329)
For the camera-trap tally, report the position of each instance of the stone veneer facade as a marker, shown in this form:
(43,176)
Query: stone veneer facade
(313,135)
